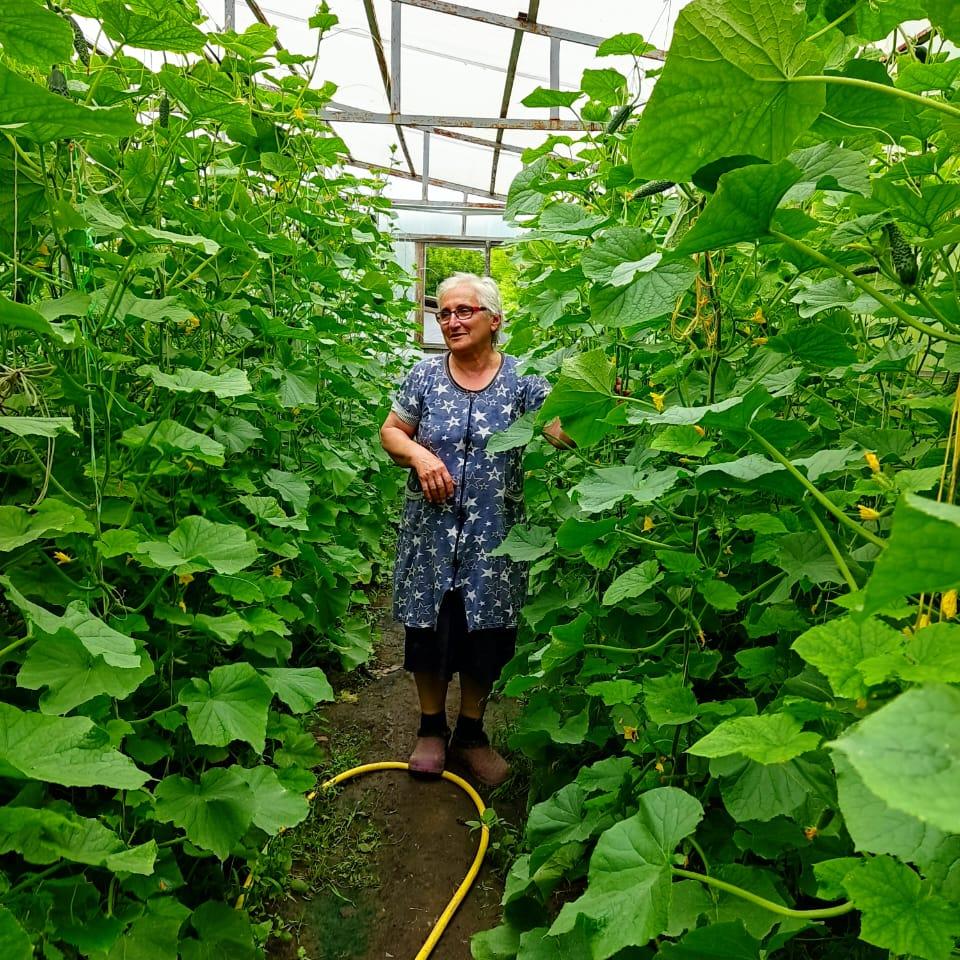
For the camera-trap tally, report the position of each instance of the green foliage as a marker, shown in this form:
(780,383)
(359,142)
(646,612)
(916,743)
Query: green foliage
(199,331)
(744,721)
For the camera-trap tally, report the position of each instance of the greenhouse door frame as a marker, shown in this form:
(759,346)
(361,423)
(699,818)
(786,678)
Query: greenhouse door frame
(421,244)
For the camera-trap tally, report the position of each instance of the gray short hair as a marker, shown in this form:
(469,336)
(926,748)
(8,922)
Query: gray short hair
(486,289)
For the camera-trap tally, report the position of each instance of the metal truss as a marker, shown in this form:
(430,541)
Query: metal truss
(450,126)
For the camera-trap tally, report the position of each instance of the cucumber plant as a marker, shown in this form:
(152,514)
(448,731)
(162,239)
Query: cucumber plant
(198,328)
(739,665)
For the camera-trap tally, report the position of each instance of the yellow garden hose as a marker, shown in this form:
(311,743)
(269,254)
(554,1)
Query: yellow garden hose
(462,890)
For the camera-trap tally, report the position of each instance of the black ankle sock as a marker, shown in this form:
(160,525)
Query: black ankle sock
(433,725)
(469,732)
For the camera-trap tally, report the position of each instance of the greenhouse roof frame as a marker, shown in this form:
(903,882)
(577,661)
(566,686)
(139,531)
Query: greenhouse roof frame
(449,125)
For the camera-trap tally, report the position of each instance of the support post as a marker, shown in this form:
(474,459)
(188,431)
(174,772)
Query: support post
(554,73)
(229,14)
(395,52)
(425,171)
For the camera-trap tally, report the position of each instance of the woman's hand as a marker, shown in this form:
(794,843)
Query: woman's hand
(435,479)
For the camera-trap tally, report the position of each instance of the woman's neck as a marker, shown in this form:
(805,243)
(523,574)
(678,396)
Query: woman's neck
(476,364)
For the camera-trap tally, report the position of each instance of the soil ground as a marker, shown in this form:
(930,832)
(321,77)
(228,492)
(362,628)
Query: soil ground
(414,844)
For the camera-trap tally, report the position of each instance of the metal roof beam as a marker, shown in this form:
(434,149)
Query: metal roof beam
(479,141)
(452,206)
(517,23)
(377,39)
(532,12)
(434,240)
(353,115)
(434,181)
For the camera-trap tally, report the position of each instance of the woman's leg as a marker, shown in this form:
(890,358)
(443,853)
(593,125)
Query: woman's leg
(473,697)
(432,691)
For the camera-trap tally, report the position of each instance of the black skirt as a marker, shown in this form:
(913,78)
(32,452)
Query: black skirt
(451,648)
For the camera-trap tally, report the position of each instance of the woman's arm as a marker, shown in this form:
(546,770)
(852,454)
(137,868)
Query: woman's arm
(554,434)
(396,437)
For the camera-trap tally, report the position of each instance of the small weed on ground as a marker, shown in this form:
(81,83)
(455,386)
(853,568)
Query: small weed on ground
(320,873)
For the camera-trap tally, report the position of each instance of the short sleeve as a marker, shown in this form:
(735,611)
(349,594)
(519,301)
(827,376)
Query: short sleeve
(408,400)
(534,390)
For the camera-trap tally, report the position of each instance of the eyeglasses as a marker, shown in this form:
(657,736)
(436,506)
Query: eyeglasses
(463,312)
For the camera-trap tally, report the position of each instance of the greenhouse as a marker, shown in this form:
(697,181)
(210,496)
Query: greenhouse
(480,480)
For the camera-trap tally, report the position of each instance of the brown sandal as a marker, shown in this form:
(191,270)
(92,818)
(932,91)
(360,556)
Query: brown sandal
(429,757)
(482,762)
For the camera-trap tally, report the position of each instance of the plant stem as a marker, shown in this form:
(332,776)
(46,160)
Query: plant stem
(868,288)
(646,541)
(833,23)
(821,913)
(10,647)
(832,547)
(824,501)
(888,91)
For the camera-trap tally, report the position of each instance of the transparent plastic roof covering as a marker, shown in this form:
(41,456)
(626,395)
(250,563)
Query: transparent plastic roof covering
(453,66)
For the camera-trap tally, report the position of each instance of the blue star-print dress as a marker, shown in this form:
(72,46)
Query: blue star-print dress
(447,546)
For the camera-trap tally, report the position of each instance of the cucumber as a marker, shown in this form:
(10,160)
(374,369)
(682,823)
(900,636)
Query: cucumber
(57,82)
(619,118)
(902,255)
(80,42)
(165,111)
(652,188)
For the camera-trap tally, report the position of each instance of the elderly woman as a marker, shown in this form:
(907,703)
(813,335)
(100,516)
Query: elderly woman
(458,603)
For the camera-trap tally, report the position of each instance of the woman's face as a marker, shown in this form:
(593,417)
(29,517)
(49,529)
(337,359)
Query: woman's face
(466,336)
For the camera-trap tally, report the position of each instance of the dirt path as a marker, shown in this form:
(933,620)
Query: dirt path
(422,848)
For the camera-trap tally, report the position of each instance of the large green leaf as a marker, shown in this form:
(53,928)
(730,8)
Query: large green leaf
(15,942)
(200,544)
(34,35)
(37,426)
(922,555)
(97,637)
(876,827)
(28,110)
(654,286)
(838,647)
(767,739)
(172,437)
(169,32)
(72,675)
(231,706)
(232,383)
(300,688)
(718,941)
(525,543)
(604,487)
(628,894)
(295,490)
(45,836)
(742,208)
(614,248)
(274,806)
(18,316)
(561,818)
(214,812)
(908,754)
(756,791)
(931,655)
(49,518)
(899,912)
(153,935)
(946,15)
(633,583)
(725,88)
(583,397)
(71,751)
